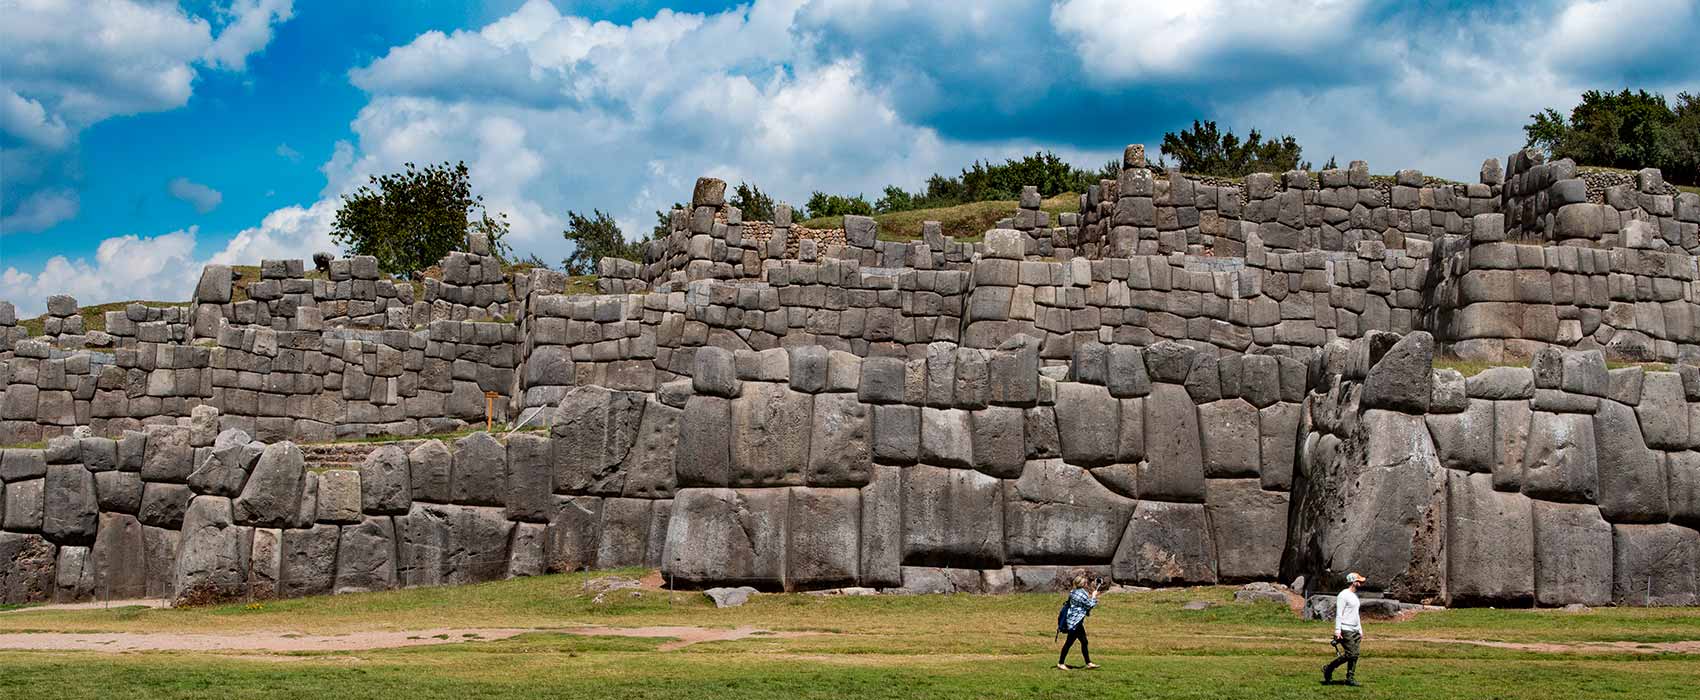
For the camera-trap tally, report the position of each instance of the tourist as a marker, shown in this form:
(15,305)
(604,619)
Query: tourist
(1081,600)
(1348,632)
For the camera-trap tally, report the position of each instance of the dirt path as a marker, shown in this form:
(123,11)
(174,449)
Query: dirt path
(282,641)
(138,602)
(1690,646)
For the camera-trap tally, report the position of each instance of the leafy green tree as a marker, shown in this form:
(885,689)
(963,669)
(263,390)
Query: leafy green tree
(895,199)
(411,219)
(595,237)
(664,222)
(823,204)
(494,228)
(1624,130)
(755,204)
(1206,150)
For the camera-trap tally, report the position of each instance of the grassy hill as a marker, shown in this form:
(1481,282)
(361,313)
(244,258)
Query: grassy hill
(966,222)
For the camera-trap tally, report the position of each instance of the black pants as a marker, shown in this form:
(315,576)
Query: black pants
(1079,632)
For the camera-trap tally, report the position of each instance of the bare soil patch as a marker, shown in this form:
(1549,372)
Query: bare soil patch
(282,641)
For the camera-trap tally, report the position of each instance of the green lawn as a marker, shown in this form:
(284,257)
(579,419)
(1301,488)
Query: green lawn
(884,647)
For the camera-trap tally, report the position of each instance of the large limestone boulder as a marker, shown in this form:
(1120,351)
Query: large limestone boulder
(593,429)
(272,496)
(824,531)
(167,455)
(1088,421)
(727,536)
(1490,544)
(625,532)
(952,517)
(1400,376)
(528,489)
(882,528)
(71,511)
(1166,544)
(478,476)
(119,557)
(1573,554)
(1174,466)
(704,456)
(308,561)
(1461,440)
(1633,488)
(840,452)
(650,463)
(770,435)
(212,561)
(429,466)
(1058,513)
(1249,527)
(386,486)
(223,469)
(366,555)
(1559,459)
(26,568)
(1229,438)
(1654,565)
(575,533)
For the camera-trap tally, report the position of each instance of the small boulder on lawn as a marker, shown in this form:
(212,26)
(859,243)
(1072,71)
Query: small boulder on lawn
(730,597)
(1271,592)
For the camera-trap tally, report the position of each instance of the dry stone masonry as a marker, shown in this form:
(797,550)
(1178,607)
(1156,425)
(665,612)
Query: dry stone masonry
(1187,381)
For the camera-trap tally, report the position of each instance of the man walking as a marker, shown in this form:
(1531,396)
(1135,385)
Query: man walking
(1348,632)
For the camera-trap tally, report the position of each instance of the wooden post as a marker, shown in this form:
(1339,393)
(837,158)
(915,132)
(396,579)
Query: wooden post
(489,409)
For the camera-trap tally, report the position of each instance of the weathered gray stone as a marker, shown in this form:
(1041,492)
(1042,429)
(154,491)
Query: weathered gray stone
(429,467)
(1663,415)
(727,536)
(1166,544)
(650,463)
(70,510)
(1559,460)
(119,558)
(770,435)
(1683,471)
(26,568)
(1573,559)
(339,496)
(952,516)
(1399,380)
(704,456)
(526,552)
(168,456)
(18,464)
(1249,528)
(223,468)
(479,474)
(1632,484)
(1127,376)
(1278,428)
(159,551)
(840,453)
(212,560)
(1059,513)
(1229,438)
(163,505)
(1088,422)
(593,431)
(528,487)
(1654,565)
(214,286)
(575,533)
(272,496)
(625,532)
(1174,466)
(725,597)
(824,531)
(308,561)
(1489,544)
(1463,440)
(882,528)
(365,558)
(1501,384)
(386,485)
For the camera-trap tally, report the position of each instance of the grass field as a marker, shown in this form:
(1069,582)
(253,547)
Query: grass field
(877,647)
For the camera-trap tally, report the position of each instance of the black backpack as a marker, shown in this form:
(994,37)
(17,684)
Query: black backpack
(1062,615)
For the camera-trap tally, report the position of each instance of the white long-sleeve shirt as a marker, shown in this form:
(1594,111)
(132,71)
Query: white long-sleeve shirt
(1346,612)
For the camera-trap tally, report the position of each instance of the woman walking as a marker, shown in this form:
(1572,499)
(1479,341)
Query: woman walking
(1081,600)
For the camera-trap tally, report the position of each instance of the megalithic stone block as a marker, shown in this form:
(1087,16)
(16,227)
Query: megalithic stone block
(1573,554)
(1166,544)
(1058,513)
(952,517)
(1249,527)
(1490,543)
(1174,464)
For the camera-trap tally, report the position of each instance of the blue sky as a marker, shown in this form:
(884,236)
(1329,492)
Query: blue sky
(140,139)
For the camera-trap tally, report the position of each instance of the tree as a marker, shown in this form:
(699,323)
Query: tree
(1206,150)
(822,204)
(494,228)
(595,237)
(755,204)
(1624,130)
(411,219)
(663,222)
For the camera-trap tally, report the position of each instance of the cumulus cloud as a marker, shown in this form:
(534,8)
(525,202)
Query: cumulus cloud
(69,65)
(40,210)
(125,267)
(199,196)
(1203,38)
(285,152)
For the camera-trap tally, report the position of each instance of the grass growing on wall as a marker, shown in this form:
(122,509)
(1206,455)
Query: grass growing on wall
(94,317)
(900,647)
(1470,368)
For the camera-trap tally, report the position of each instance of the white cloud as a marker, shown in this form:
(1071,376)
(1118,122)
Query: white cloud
(293,232)
(248,31)
(125,267)
(39,211)
(1175,40)
(287,153)
(199,196)
(68,65)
